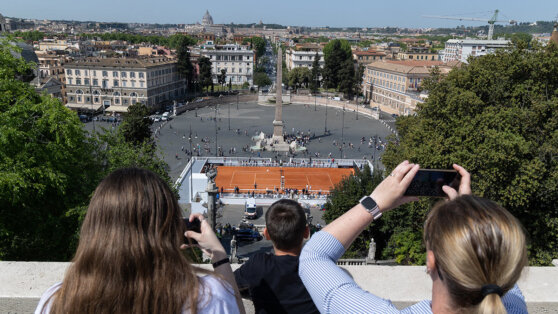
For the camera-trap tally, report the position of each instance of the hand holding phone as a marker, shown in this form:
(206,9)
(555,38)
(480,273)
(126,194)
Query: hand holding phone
(429,182)
(194,225)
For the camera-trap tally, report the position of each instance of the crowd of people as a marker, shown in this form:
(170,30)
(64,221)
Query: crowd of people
(129,258)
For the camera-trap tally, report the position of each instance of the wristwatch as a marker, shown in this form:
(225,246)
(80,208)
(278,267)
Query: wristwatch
(370,205)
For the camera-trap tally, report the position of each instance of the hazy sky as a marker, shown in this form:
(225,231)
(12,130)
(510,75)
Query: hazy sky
(364,13)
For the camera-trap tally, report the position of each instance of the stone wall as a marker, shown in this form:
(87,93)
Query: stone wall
(22,284)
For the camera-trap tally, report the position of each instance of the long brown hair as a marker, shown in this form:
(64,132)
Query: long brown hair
(476,242)
(128,259)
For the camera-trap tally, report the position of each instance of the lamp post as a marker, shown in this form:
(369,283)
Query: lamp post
(325,130)
(229,106)
(216,153)
(357,107)
(237,101)
(342,131)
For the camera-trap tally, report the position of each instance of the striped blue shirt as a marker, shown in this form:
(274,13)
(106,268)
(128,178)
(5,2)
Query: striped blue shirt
(334,291)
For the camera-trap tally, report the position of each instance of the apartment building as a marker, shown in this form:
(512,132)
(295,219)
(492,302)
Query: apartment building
(115,83)
(394,86)
(461,49)
(51,66)
(367,57)
(238,60)
(302,58)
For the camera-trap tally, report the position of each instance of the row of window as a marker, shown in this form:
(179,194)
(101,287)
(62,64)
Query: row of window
(105,73)
(231,58)
(232,70)
(105,83)
(386,75)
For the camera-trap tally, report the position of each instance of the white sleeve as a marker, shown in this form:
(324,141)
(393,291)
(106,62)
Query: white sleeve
(46,301)
(216,296)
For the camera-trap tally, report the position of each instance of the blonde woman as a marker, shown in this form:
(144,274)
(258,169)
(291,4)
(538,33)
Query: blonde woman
(475,252)
(129,259)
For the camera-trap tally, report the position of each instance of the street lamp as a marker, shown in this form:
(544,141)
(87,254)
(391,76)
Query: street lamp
(229,106)
(342,131)
(325,130)
(216,153)
(357,107)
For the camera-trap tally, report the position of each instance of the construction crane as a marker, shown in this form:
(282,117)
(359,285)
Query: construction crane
(490,22)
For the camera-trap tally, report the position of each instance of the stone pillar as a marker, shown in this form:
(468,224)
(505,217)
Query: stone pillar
(211,198)
(278,122)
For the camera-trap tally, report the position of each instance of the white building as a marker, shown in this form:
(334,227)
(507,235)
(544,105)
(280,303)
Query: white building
(238,60)
(298,58)
(461,49)
(116,83)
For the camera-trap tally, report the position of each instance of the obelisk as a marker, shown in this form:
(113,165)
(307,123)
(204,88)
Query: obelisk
(278,122)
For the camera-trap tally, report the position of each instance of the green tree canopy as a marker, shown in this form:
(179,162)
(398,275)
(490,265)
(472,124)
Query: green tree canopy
(136,127)
(261,79)
(299,77)
(206,77)
(315,74)
(497,117)
(336,53)
(184,64)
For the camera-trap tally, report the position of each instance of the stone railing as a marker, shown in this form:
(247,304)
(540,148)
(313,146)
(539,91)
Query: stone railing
(22,284)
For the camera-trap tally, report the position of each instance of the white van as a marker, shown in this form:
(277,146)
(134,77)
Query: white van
(250,209)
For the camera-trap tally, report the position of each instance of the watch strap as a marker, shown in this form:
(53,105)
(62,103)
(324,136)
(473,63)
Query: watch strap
(374,211)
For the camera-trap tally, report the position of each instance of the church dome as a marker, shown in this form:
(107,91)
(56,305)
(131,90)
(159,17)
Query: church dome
(207,19)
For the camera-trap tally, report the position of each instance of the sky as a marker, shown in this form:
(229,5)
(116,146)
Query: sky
(338,13)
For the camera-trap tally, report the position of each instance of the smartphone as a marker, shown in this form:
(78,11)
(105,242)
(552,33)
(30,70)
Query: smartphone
(194,225)
(429,182)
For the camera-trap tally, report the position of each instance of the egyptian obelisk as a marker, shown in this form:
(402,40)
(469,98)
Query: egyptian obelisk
(278,122)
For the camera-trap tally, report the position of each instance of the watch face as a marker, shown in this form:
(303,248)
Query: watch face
(368,203)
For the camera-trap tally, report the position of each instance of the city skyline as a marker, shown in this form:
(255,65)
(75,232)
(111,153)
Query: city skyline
(361,13)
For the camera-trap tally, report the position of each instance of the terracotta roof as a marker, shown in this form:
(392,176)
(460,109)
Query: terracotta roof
(417,67)
(369,53)
(416,63)
(122,62)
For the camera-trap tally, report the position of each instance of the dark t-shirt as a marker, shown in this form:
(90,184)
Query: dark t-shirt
(274,284)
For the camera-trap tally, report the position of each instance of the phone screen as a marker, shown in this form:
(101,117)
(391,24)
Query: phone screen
(194,225)
(429,182)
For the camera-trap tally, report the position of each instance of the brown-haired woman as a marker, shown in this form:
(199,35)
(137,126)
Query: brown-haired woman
(475,252)
(129,261)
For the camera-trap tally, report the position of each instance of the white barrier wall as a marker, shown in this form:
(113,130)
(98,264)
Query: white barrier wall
(22,283)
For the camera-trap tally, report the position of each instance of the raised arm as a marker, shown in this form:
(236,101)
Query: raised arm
(210,244)
(387,195)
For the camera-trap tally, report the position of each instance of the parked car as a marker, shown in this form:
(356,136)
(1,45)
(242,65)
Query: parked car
(247,235)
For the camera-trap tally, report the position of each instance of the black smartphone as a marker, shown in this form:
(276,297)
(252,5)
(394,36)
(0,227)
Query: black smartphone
(429,182)
(194,225)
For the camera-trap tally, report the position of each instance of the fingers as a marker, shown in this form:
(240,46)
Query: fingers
(196,215)
(450,192)
(408,174)
(399,167)
(193,235)
(465,184)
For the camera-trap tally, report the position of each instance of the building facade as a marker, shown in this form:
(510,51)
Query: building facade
(461,49)
(113,84)
(237,60)
(51,66)
(297,59)
(367,57)
(394,86)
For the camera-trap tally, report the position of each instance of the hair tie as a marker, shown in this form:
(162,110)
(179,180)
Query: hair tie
(489,289)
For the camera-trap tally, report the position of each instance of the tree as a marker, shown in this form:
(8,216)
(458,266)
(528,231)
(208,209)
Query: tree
(497,117)
(136,127)
(347,79)
(184,64)
(344,196)
(299,77)
(261,79)
(258,44)
(336,52)
(206,78)
(222,77)
(315,75)
(48,169)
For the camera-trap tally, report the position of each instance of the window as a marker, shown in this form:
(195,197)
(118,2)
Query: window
(105,83)
(78,72)
(117,101)
(95,82)
(87,99)
(133,83)
(68,72)
(94,73)
(86,81)
(72,98)
(96,99)
(140,74)
(115,83)
(122,74)
(141,83)
(132,74)
(115,73)
(70,81)
(78,81)
(125,101)
(85,72)
(79,98)
(105,73)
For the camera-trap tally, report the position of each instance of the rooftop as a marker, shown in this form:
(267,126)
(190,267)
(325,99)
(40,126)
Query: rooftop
(121,62)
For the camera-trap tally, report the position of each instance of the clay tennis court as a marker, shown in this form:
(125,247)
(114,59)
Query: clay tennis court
(263,179)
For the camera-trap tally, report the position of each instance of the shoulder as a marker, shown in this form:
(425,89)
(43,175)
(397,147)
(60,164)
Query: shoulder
(424,306)
(216,296)
(46,300)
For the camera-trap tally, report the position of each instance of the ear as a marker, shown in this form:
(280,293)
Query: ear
(306,232)
(266,234)
(431,264)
